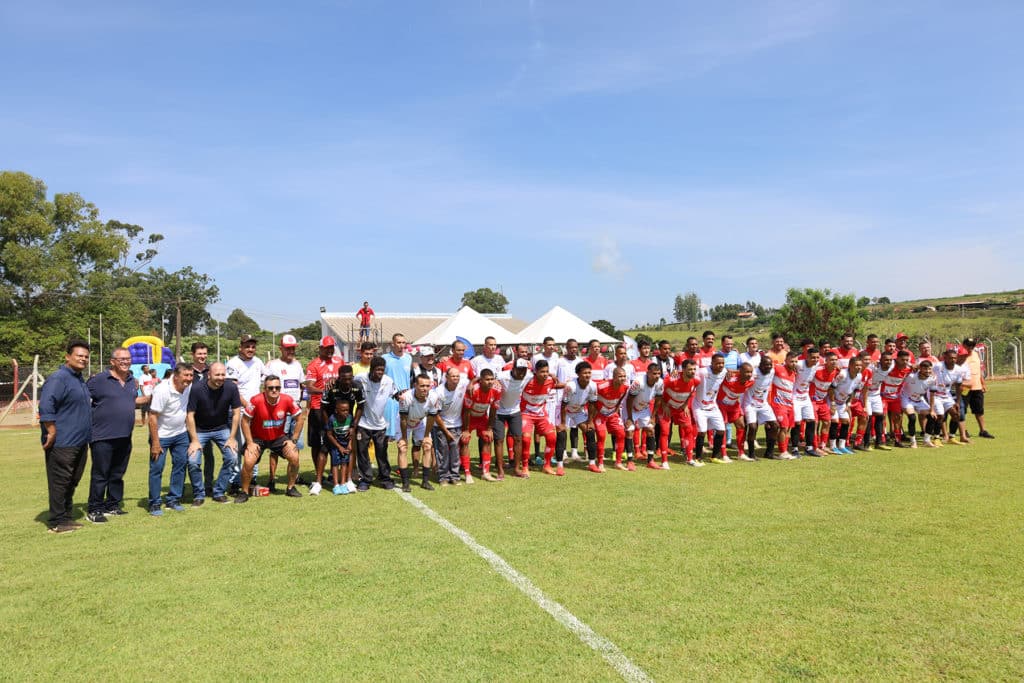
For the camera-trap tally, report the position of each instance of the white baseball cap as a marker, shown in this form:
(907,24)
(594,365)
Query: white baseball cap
(289,340)
(426,350)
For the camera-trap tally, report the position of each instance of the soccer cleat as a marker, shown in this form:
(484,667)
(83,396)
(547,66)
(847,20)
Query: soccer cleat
(272,486)
(883,447)
(630,466)
(406,487)
(547,469)
(651,465)
(985,435)
(426,485)
(560,472)
(664,466)
(695,463)
(96,518)
(745,458)
(726,459)
(594,468)
(620,466)
(469,478)
(293,492)
(487,476)
(315,488)
(340,490)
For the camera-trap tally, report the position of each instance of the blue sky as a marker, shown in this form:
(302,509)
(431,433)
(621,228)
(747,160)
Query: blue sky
(599,155)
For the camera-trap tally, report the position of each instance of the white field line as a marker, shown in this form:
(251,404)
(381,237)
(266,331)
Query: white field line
(606,648)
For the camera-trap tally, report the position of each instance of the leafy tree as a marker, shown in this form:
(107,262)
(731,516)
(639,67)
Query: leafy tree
(687,308)
(485,300)
(757,309)
(863,301)
(238,323)
(310,331)
(883,300)
(607,328)
(661,322)
(817,313)
(163,290)
(724,311)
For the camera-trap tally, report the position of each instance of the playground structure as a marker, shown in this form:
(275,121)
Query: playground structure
(149,350)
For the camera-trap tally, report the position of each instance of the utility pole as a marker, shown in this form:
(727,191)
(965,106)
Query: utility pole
(177,332)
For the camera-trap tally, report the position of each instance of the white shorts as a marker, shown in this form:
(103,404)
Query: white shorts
(758,415)
(574,419)
(417,433)
(803,410)
(841,412)
(874,405)
(642,418)
(709,419)
(943,404)
(921,406)
(554,408)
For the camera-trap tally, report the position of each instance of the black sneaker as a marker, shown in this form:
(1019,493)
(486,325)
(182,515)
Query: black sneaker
(209,491)
(272,486)
(388,484)
(96,518)
(63,528)
(198,502)
(301,481)
(406,487)
(427,486)
(242,497)
(985,435)
(362,487)
(116,512)
(221,499)
(293,493)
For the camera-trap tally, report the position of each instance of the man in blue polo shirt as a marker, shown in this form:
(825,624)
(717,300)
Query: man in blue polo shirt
(115,396)
(65,420)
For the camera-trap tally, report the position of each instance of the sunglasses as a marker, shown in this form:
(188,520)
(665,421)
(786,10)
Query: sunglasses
(273,388)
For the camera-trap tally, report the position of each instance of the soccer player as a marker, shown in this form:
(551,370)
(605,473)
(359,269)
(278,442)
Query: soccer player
(674,407)
(779,350)
(752,354)
(690,352)
(594,357)
(948,380)
(642,393)
(729,398)
(566,372)
(490,358)
(873,404)
(606,416)
(821,384)
(534,404)
(621,361)
(732,356)
(447,432)
(706,413)
(803,408)
(707,350)
(508,418)
(872,349)
(846,351)
(481,402)
(757,409)
(458,360)
(575,414)
(847,389)
(924,352)
(781,400)
(640,363)
(263,423)
(320,375)
(903,344)
(891,394)
(417,411)
(918,399)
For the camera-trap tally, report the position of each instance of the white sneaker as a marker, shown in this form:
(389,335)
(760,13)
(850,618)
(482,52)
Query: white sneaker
(314,488)
(913,442)
(726,459)
(695,463)
(788,456)
(351,486)
(745,458)
(575,455)
(664,466)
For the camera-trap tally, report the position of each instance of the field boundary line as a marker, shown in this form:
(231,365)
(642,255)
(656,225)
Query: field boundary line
(606,648)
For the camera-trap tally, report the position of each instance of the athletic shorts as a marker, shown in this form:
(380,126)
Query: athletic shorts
(975,400)
(875,405)
(730,412)
(921,406)
(803,410)
(512,424)
(477,424)
(417,433)
(575,419)
(783,415)
(709,419)
(857,409)
(276,447)
(554,408)
(841,413)
(892,405)
(337,457)
(822,411)
(537,423)
(759,415)
(642,418)
(943,404)
(315,431)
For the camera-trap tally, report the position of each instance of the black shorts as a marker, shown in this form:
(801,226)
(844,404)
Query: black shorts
(315,432)
(975,401)
(276,447)
(513,422)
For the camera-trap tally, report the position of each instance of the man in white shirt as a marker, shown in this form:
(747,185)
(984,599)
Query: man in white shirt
(246,370)
(371,420)
(168,434)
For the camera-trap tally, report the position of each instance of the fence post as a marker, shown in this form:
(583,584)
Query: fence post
(990,357)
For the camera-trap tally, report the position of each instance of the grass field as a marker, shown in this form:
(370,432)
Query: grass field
(899,565)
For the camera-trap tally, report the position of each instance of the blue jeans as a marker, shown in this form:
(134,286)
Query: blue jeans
(229,468)
(289,426)
(178,447)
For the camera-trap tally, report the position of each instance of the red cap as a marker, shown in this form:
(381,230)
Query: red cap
(963,350)
(901,335)
(326,340)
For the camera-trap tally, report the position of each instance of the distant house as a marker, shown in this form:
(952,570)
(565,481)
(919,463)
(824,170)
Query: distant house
(746,315)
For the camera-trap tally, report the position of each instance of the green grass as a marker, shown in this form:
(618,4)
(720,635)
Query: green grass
(903,565)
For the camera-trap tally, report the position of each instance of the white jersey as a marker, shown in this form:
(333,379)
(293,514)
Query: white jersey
(916,389)
(553,361)
(375,406)
(576,400)
(248,375)
(628,367)
(567,369)
(844,386)
(450,402)
(291,375)
(706,393)
(511,392)
(641,394)
(877,377)
(946,379)
(802,383)
(495,363)
(757,394)
(753,358)
(417,411)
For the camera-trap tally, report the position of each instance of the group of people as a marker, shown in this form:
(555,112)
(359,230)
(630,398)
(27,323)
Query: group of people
(812,400)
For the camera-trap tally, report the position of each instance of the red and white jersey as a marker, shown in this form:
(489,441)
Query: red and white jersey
(844,386)
(640,365)
(322,373)
(821,382)
(641,394)
(480,402)
(511,391)
(874,376)
(732,391)
(266,420)
(935,361)
(844,356)
(609,397)
(802,382)
(576,399)
(466,368)
(678,392)
(535,397)
(704,356)
(782,386)
(706,393)
(630,372)
(757,393)
(894,381)
(915,388)
(417,411)
(495,364)
(946,379)
(450,402)
(597,365)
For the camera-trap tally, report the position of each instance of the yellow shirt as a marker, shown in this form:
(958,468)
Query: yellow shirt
(973,363)
(359,369)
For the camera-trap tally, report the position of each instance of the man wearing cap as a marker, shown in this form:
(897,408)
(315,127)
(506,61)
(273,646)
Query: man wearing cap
(974,383)
(903,344)
(427,366)
(320,375)
(365,316)
(290,372)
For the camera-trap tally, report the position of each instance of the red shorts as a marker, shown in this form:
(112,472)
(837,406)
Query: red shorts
(536,422)
(822,412)
(730,412)
(892,405)
(857,409)
(478,424)
(681,418)
(783,415)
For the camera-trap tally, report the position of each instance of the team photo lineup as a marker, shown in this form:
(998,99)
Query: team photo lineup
(542,407)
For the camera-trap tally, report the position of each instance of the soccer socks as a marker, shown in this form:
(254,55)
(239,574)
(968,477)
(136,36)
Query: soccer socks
(698,448)
(811,434)
(911,425)
(650,443)
(629,448)
(560,440)
(741,441)
(465,464)
(718,448)
(879,421)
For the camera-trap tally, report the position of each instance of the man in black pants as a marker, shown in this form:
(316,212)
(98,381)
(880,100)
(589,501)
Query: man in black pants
(66,421)
(372,423)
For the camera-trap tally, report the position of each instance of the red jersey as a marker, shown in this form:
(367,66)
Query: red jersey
(466,368)
(684,356)
(323,373)
(873,356)
(596,364)
(820,384)
(641,364)
(894,381)
(266,420)
(732,391)
(844,356)
(609,397)
(704,356)
(365,313)
(535,397)
(782,386)
(678,392)
(479,402)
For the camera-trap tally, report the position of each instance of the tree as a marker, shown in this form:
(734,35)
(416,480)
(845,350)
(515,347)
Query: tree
(757,309)
(607,328)
(863,302)
(724,311)
(687,308)
(818,313)
(485,300)
(195,291)
(310,331)
(238,323)
(883,300)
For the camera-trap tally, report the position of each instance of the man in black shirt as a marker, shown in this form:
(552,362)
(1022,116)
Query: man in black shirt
(214,415)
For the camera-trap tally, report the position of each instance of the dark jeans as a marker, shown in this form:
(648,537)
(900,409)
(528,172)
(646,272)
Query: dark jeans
(64,468)
(109,463)
(379,438)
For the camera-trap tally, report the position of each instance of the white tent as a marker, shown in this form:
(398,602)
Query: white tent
(468,324)
(561,324)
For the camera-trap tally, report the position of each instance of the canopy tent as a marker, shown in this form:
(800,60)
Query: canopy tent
(562,325)
(469,324)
